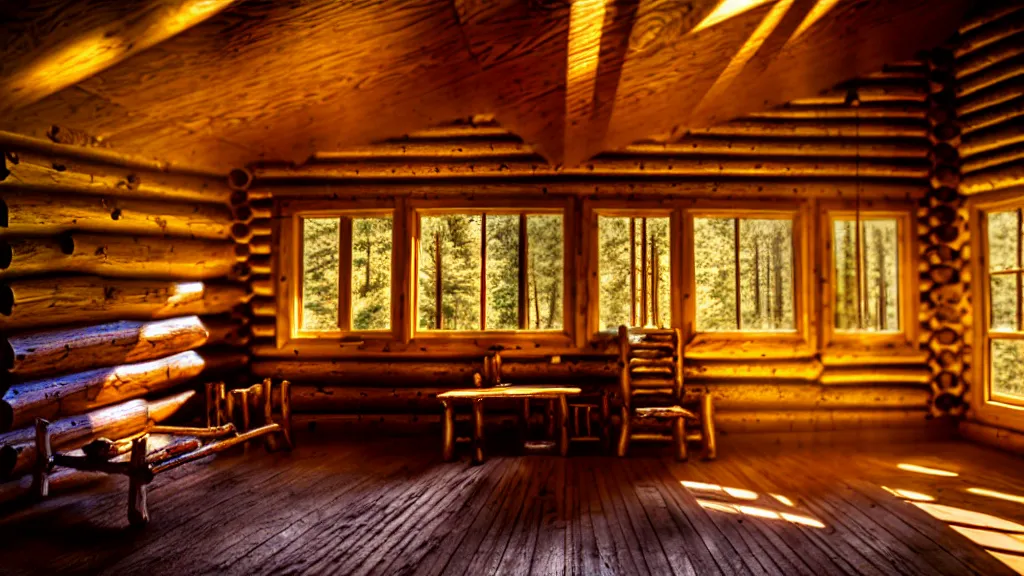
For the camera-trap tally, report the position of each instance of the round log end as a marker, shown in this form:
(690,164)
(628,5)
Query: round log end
(239,197)
(3,214)
(6,300)
(6,355)
(67,244)
(239,179)
(6,421)
(4,170)
(240,231)
(243,213)
(242,251)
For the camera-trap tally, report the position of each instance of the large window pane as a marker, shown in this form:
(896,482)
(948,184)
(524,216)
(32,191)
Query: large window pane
(637,249)
(545,273)
(450,246)
(1003,238)
(1008,368)
(320,262)
(1003,300)
(502,272)
(714,257)
(371,273)
(866,290)
(766,274)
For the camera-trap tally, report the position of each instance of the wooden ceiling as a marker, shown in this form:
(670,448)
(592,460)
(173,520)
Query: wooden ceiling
(215,84)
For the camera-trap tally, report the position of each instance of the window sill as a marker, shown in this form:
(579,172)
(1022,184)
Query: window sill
(862,353)
(748,346)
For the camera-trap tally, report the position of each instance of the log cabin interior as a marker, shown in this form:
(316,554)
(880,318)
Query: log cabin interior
(512,286)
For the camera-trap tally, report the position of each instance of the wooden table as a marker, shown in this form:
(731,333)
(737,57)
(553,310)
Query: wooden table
(557,394)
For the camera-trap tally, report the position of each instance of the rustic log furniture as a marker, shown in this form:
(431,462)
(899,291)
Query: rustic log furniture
(132,458)
(651,377)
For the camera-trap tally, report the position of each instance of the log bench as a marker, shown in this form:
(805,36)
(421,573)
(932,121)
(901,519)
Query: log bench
(556,395)
(131,457)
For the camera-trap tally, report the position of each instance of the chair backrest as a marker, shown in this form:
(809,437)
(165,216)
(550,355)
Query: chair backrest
(492,369)
(650,361)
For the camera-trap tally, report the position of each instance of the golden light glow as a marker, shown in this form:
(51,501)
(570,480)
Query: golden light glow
(758,512)
(586,22)
(738,493)
(725,10)
(700,486)
(783,499)
(1014,562)
(724,82)
(97,49)
(908,494)
(821,8)
(163,328)
(997,495)
(953,515)
(926,470)
(990,539)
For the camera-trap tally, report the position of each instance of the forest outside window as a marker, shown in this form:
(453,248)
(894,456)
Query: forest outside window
(866,271)
(491,271)
(634,260)
(743,272)
(346,273)
(1006,306)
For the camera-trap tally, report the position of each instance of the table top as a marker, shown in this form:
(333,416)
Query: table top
(512,392)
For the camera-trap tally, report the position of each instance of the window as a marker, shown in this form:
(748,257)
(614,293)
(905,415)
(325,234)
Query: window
(634,260)
(358,299)
(743,270)
(866,273)
(1006,315)
(490,271)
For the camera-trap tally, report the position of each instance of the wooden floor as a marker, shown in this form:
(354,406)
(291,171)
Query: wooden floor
(391,507)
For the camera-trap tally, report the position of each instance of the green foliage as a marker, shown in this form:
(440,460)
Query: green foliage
(878,297)
(1008,367)
(546,269)
(714,256)
(457,238)
(615,266)
(1003,239)
(503,272)
(371,273)
(320,237)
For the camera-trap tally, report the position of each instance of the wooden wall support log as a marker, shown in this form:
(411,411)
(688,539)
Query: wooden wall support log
(75,349)
(38,173)
(38,303)
(759,422)
(993,159)
(37,213)
(1000,136)
(83,391)
(119,257)
(383,373)
(992,96)
(690,167)
(992,179)
(784,147)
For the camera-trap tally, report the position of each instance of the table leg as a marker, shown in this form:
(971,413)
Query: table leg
(707,420)
(478,431)
(563,425)
(448,431)
(679,438)
(624,433)
(524,423)
(549,418)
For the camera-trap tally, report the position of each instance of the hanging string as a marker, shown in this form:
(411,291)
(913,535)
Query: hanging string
(853,99)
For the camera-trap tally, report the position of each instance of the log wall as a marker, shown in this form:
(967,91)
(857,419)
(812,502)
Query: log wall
(871,139)
(120,286)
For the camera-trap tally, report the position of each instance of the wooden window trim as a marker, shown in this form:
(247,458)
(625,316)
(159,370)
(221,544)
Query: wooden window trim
(850,342)
(558,339)
(984,406)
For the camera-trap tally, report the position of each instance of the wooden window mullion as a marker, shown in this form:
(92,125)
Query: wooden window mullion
(643,272)
(859,270)
(524,298)
(1020,264)
(483,272)
(736,260)
(632,272)
(345,274)
(438,315)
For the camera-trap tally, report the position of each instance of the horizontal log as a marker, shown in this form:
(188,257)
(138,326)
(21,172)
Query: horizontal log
(816,130)
(990,76)
(75,349)
(992,179)
(1003,135)
(876,375)
(376,373)
(993,115)
(38,213)
(764,370)
(759,422)
(263,307)
(18,449)
(994,158)
(868,93)
(705,348)
(1002,438)
(43,302)
(418,400)
(452,149)
(38,173)
(260,245)
(998,25)
(992,96)
(82,391)
(262,286)
(457,131)
(987,16)
(60,480)
(605,166)
(119,257)
(263,328)
(782,147)
(13,142)
(790,112)
(840,356)
(991,55)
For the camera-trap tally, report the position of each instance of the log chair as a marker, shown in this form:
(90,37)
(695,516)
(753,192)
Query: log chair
(651,377)
(142,465)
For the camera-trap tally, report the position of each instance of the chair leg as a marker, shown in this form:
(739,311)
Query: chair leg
(563,426)
(707,421)
(448,431)
(624,433)
(478,431)
(679,438)
(606,419)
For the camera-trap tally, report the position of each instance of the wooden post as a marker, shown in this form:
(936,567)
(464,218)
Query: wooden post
(138,513)
(44,457)
(563,425)
(483,272)
(643,272)
(524,422)
(524,288)
(478,431)
(268,412)
(736,263)
(707,420)
(624,433)
(344,274)
(624,384)
(286,414)
(211,391)
(632,272)
(438,316)
(448,431)
(679,438)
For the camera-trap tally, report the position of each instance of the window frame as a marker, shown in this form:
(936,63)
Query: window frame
(907,291)
(292,235)
(499,206)
(984,405)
